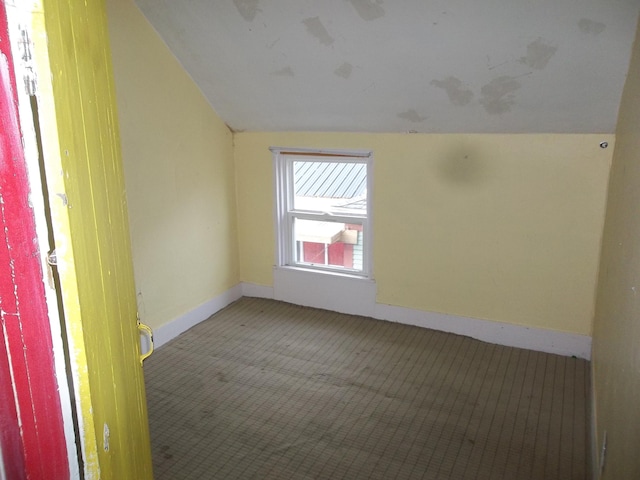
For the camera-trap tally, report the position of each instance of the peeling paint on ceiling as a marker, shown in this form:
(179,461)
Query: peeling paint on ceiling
(498,95)
(285,72)
(591,27)
(538,54)
(447,66)
(344,70)
(457,93)
(248,9)
(317,29)
(367,9)
(412,116)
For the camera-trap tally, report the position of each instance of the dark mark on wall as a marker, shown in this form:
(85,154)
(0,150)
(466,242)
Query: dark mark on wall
(464,165)
(412,116)
(497,95)
(538,54)
(247,8)
(367,9)
(316,29)
(344,70)
(590,27)
(458,95)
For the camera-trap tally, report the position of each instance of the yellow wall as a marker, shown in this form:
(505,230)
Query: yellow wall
(498,227)
(178,159)
(616,332)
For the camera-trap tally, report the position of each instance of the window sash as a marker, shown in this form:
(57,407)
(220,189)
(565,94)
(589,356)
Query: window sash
(326,217)
(286,243)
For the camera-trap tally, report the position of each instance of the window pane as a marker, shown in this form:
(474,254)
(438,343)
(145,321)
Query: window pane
(334,244)
(332,187)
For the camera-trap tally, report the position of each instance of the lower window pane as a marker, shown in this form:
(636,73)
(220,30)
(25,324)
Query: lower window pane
(331,244)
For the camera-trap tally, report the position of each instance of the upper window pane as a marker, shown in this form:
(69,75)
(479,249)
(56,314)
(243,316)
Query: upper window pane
(330,186)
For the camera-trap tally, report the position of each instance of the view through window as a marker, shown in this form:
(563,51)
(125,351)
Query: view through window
(324,211)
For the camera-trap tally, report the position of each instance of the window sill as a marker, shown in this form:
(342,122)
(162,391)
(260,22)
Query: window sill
(329,273)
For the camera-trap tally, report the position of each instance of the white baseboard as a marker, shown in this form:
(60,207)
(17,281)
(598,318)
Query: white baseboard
(171,330)
(357,297)
(257,291)
(593,419)
(509,335)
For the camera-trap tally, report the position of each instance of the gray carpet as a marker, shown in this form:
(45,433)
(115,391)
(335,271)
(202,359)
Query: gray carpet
(268,390)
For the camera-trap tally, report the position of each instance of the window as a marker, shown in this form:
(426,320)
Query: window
(323,212)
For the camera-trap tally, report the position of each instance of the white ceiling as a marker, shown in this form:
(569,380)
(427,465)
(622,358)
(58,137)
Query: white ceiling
(446,66)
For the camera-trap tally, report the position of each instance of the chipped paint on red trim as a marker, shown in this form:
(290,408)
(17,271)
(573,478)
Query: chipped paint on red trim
(34,404)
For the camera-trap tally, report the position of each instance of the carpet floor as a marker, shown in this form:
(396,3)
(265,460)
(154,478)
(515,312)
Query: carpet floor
(269,390)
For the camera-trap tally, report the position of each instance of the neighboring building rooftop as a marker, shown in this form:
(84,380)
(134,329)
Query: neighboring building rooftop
(330,179)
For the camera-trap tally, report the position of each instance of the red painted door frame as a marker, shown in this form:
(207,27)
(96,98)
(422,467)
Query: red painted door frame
(28,386)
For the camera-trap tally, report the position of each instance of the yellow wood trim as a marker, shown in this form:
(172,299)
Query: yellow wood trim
(60,218)
(86,184)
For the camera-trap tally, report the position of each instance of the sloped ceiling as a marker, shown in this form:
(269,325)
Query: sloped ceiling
(454,66)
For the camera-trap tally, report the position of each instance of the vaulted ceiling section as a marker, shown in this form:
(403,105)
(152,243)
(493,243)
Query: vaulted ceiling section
(438,66)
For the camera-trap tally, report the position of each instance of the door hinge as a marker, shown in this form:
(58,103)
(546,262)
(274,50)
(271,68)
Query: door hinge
(52,258)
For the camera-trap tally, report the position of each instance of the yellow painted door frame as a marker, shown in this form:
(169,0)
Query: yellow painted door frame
(84,176)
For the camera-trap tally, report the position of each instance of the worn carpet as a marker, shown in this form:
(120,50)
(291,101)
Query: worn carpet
(269,390)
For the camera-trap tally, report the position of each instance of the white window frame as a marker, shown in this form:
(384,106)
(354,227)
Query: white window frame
(285,214)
